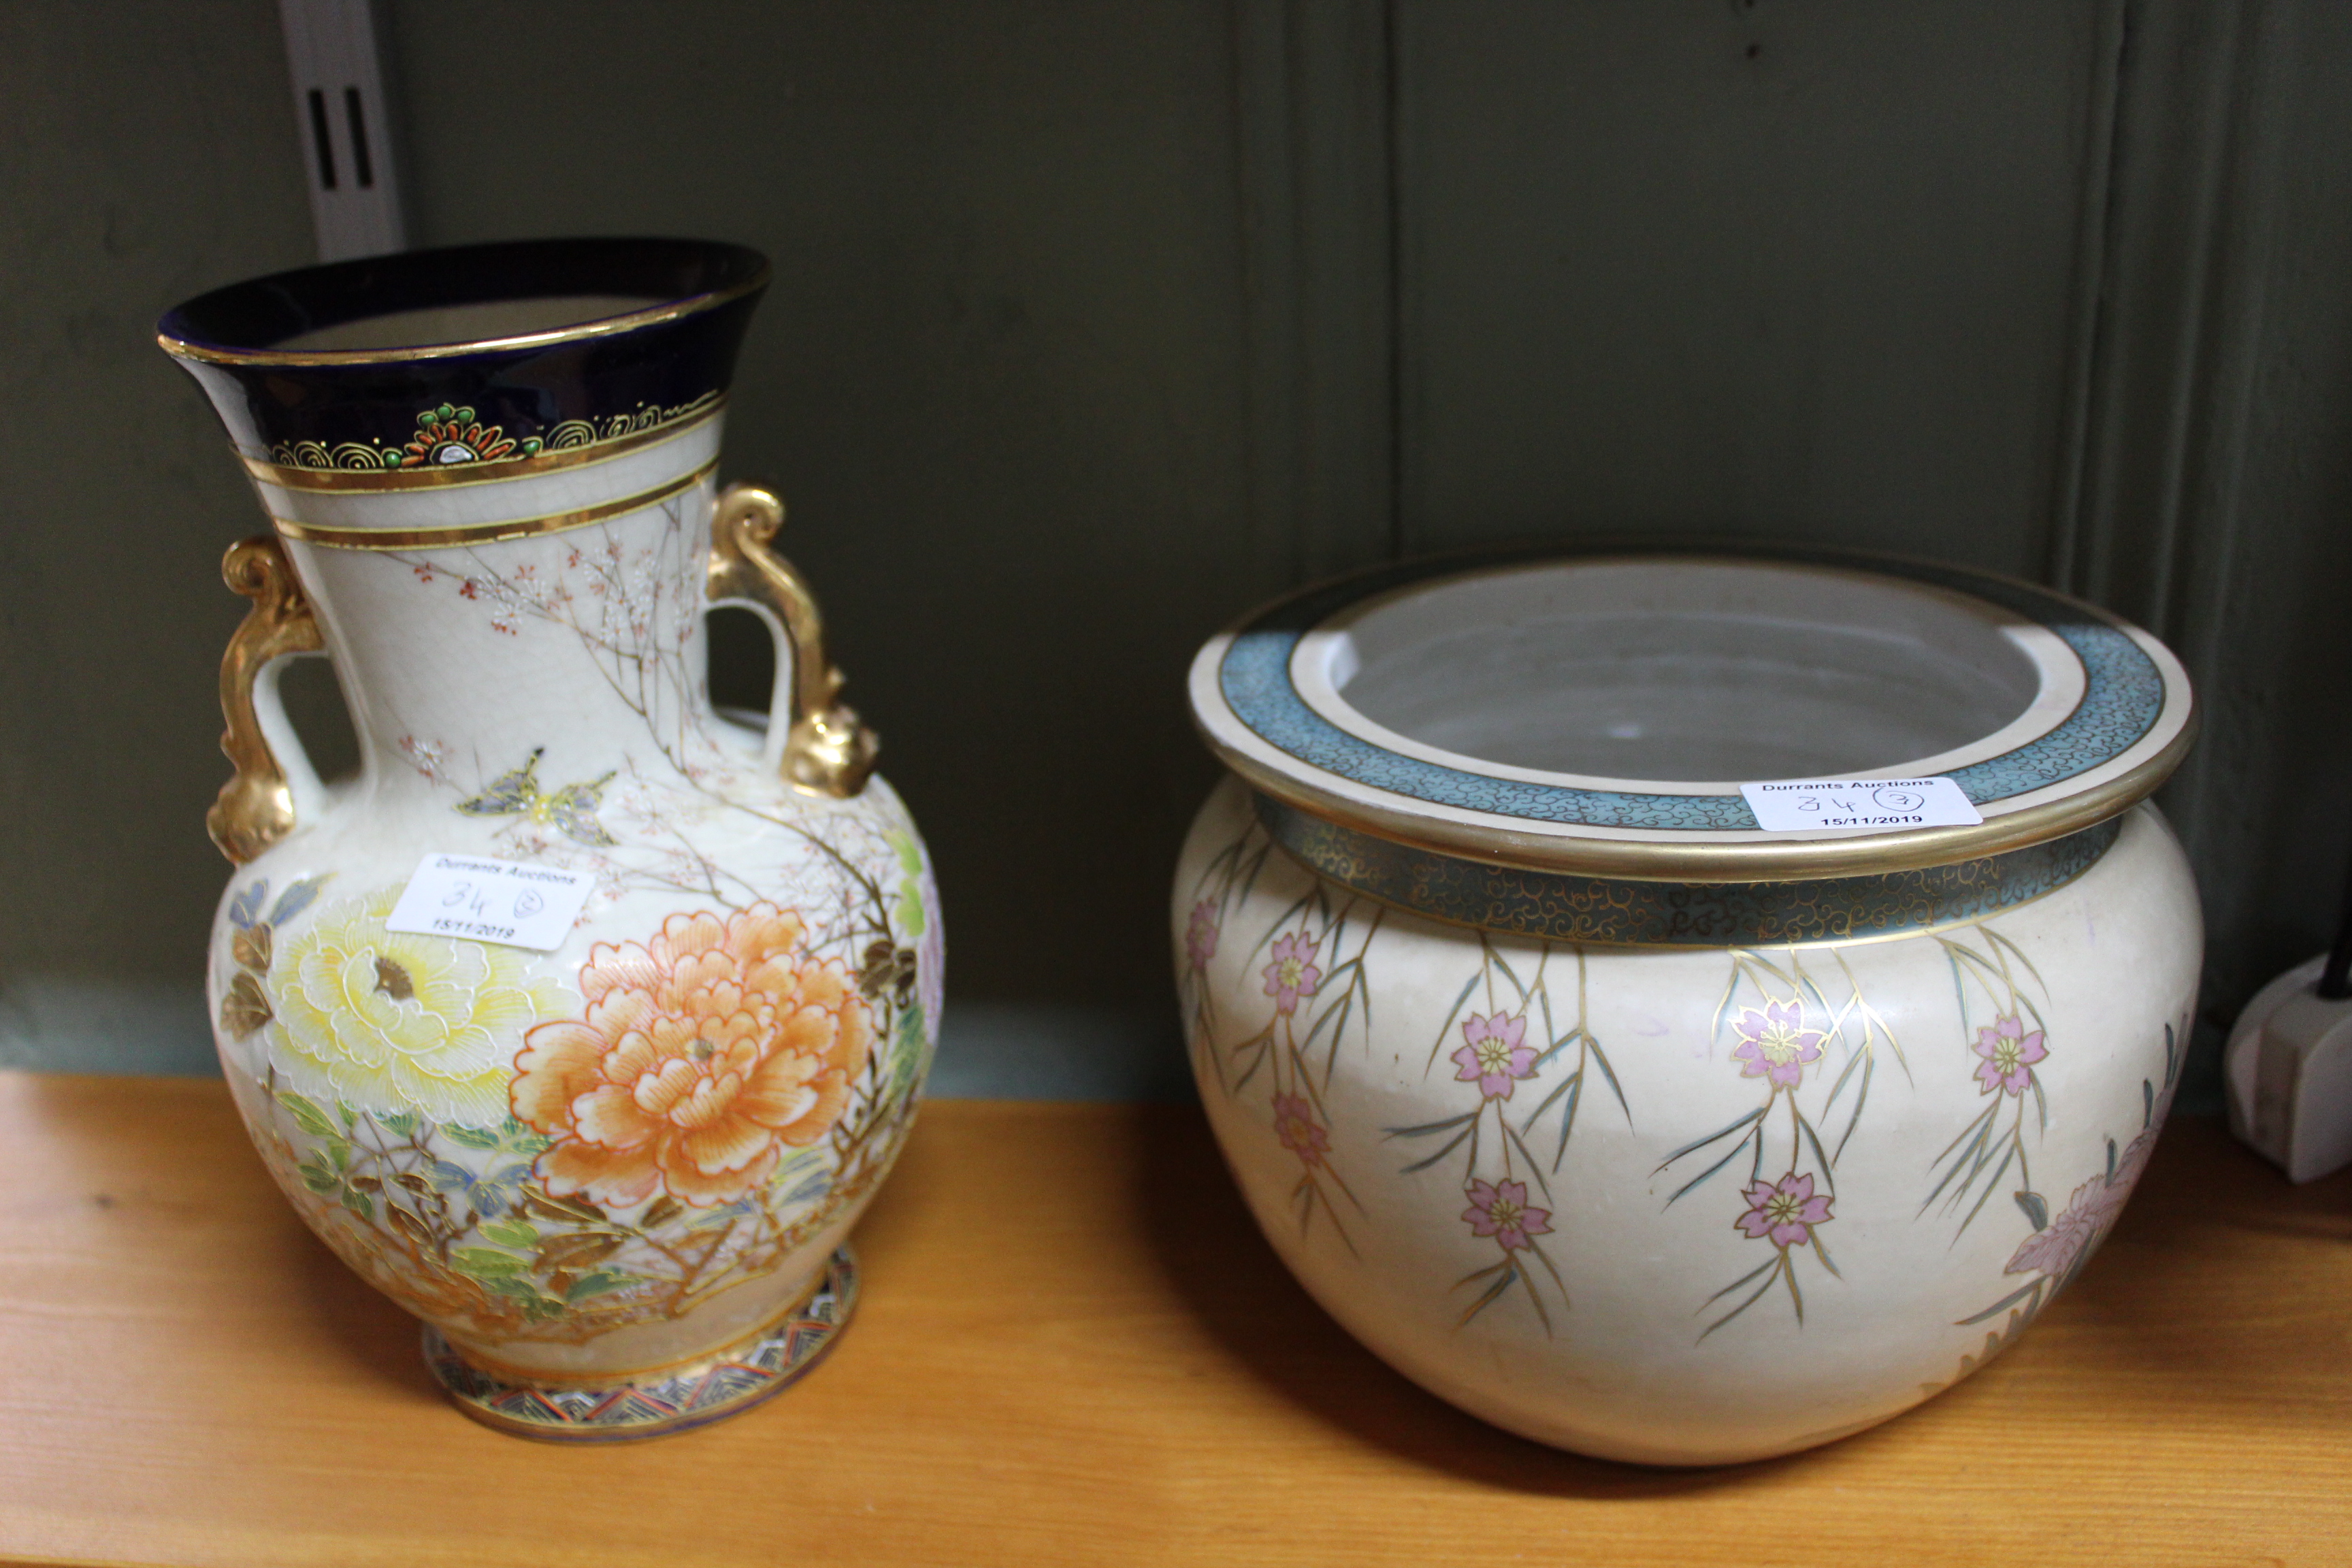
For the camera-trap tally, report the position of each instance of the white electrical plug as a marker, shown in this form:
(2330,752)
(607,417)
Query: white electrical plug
(2289,1066)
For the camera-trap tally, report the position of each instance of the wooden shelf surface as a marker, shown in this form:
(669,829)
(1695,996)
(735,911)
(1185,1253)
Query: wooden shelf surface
(1074,1348)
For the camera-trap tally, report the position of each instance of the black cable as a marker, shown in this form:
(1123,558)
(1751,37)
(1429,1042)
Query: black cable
(2335,979)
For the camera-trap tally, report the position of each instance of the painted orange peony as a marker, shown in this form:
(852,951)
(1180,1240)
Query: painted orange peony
(701,1054)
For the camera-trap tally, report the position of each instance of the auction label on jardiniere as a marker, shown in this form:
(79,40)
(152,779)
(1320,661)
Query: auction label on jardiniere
(482,899)
(1812,805)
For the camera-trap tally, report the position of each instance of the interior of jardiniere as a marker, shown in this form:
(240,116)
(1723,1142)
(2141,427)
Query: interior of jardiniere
(1684,670)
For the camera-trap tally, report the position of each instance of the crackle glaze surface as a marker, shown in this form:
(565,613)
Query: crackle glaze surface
(1682,1206)
(647,1141)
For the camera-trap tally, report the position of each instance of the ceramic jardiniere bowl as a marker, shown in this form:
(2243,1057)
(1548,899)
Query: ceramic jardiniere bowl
(1605,1114)
(584,1021)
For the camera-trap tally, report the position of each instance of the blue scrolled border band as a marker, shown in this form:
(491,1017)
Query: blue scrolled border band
(1560,907)
(2123,698)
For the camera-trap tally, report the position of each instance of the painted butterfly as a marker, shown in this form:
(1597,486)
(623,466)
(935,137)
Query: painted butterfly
(572,808)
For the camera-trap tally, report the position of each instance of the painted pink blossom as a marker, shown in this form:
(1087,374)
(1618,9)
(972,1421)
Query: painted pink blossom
(1292,974)
(1775,1044)
(2071,1235)
(1294,1125)
(2089,1214)
(1500,1209)
(1495,1058)
(2009,1051)
(1201,936)
(1783,1212)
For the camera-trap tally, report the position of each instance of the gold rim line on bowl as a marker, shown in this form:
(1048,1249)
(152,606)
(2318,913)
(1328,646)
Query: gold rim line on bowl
(497,471)
(1757,859)
(1860,909)
(454,534)
(579,331)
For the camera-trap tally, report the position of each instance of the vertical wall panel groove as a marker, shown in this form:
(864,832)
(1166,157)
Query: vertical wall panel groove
(1313,101)
(2086,327)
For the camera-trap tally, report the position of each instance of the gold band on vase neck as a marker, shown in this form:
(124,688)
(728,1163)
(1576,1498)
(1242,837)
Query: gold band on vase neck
(450,536)
(288,476)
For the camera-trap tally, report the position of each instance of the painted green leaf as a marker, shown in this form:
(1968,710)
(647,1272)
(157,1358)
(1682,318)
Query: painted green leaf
(2037,1212)
(909,912)
(307,1115)
(471,1137)
(521,1139)
(339,1153)
(318,1176)
(358,1202)
(511,1232)
(485,1263)
(910,854)
(537,1305)
(350,1118)
(907,1051)
(402,1123)
(599,1282)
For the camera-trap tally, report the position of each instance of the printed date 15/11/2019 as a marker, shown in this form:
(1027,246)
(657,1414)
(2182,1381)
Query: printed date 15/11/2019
(445,926)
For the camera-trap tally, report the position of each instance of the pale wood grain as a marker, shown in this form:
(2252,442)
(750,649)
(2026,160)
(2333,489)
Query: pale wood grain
(1074,1348)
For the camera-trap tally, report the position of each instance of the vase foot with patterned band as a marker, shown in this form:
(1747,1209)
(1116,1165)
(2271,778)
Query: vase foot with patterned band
(667,1399)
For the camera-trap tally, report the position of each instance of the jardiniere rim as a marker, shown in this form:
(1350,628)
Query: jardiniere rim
(2128,730)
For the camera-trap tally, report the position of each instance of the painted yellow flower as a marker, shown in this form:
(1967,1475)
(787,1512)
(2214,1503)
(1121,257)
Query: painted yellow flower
(388,1022)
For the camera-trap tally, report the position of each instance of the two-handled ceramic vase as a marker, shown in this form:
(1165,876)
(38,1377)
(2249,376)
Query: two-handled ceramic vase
(1606,1113)
(613,1176)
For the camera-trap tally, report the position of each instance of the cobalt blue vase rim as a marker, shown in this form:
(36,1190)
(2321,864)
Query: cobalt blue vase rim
(242,322)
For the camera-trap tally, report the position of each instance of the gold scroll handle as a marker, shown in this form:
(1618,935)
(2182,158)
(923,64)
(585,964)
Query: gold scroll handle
(825,751)
(256,808)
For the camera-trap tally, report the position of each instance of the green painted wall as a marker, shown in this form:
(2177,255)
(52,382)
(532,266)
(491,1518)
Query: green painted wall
(148,157)
(1095,324)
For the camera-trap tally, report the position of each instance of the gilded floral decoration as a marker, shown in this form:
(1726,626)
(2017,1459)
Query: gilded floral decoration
(447,435)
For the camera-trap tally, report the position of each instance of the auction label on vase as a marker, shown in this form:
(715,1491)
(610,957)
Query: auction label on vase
(1812,805)
(482,899)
